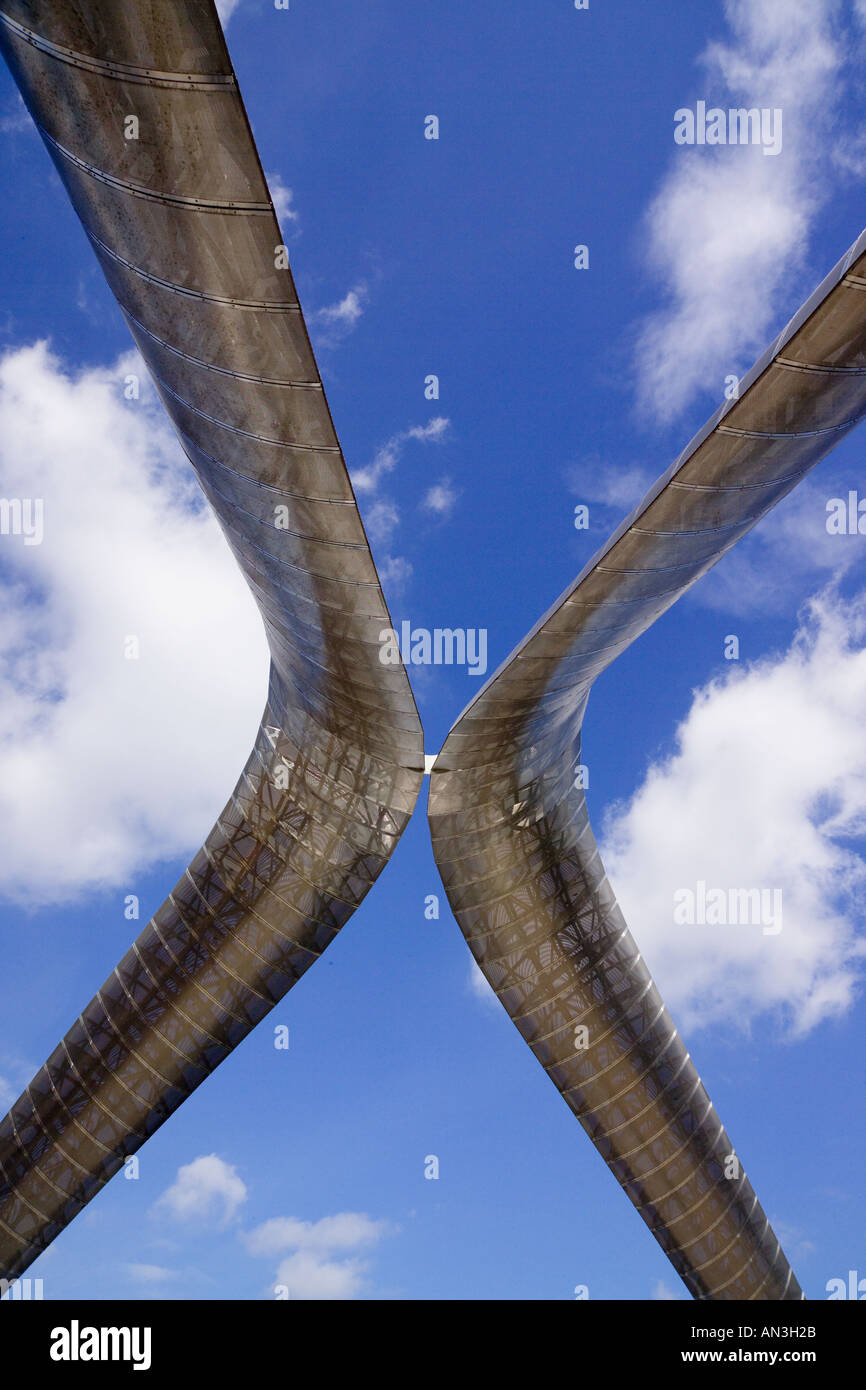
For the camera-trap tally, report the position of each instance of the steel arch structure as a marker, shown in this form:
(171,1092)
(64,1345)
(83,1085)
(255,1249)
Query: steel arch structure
(180,219)
(511,831)
(183,226)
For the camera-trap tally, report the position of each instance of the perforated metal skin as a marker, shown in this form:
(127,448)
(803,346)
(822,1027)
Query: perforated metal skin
(183,226)
(511,831)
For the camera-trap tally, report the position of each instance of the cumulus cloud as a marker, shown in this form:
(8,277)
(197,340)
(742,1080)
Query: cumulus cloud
(309,1269)
(112,764)
(206,1190)
(766,789)
(729,224)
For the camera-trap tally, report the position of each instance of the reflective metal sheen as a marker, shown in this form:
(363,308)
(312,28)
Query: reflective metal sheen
(182,223)
(511,831)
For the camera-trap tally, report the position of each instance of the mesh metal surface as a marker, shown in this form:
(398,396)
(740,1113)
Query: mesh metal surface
(511,831)
(183,226)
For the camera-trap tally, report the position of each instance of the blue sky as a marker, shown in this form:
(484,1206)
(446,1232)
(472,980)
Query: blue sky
(558,387)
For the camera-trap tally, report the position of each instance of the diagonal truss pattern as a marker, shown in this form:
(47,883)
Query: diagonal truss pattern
(182,223)
(511,831)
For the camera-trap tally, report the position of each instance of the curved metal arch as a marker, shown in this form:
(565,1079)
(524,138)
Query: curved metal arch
(338,760)
(511,831)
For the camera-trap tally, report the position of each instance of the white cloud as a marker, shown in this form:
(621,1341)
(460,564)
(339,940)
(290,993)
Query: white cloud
(388,456)
(395,571)
(348,1230)
(225,10)
(440,498)
(766,788)
(308,1276)
(109,764)
(208,1190)
(663,1294)
(309,1270)
(787,552)
(381,520)
(150,1274)
(793,1241)
(17,119)
(729,225)
(281,197)
(16,1074)
(382,517)
(331,324)
(611,485)
(480,986)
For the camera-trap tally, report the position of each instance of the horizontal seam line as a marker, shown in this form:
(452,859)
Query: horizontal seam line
(270,306)
(247,434)
(152,195)
(787,434)
(153,77)
(212,367)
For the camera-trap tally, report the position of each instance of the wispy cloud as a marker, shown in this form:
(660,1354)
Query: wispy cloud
(441,498)
(620,488)
(663,1294)
(381,520)
(206,1190)
(225,10)
(395,571)
(16,119)
(331,324)
(766,788)
(150,1274)
(768,571)
(282,199)
(382,515)
(16,1073)
(729,226)
(788,552)
(793,1240)
(388,456)
(480,987)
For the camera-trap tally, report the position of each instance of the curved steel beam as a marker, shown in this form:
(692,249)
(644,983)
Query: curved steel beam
(182,223)
(511,831)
